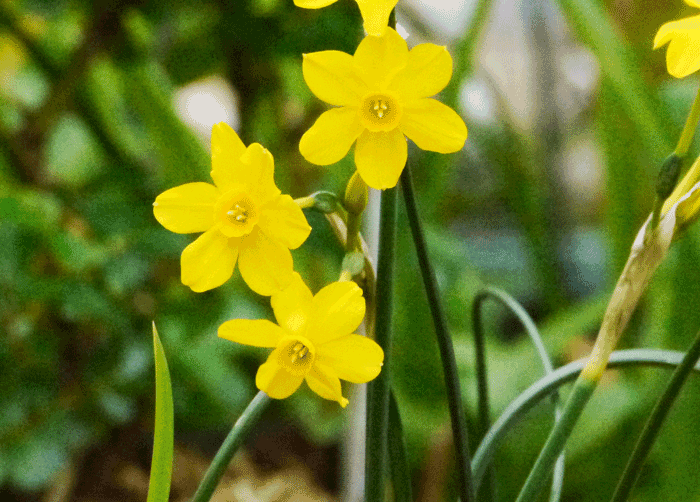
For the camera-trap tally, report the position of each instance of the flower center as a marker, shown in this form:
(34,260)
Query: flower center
(297,355)
(238,214)
(380,112)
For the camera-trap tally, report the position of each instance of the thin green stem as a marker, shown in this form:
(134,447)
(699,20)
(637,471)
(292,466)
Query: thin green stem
(548,384)
(580,394)
(653,425)
(378,389)
(512,304)
(447,355)
(691,124)
(233,441)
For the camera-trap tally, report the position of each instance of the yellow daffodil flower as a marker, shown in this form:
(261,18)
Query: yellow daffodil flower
(375,13)
(683,54)
(313,341)
(382,93)
(243,216)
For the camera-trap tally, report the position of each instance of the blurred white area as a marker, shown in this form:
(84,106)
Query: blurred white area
(447,18)
(582,173)
(478,101)
(206,102)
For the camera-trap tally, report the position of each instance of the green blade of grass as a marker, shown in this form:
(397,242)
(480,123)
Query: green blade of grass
(162,460)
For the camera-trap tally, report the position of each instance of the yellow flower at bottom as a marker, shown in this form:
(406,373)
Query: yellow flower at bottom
(382,93)
(375,13)
(244,218)
(314,341)
(683,53)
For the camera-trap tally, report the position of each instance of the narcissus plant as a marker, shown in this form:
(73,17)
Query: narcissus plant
(243,215)
(382,93)
(683,53)
(314,341)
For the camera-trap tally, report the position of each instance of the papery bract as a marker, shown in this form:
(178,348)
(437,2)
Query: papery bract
(382,93)
(244,218)
(312,341)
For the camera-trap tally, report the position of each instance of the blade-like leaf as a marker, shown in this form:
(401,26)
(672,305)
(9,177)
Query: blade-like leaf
(162,460)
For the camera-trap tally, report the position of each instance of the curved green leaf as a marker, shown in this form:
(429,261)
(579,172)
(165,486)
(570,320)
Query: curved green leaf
(162,460)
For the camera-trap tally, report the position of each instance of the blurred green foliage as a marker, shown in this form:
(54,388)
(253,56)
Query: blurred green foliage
(89,136)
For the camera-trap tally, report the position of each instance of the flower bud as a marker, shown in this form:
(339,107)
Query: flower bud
(356,195)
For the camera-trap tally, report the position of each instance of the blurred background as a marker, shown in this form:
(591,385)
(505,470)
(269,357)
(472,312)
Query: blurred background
(105,104)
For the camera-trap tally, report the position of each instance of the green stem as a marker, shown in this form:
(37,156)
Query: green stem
(400,472)
(580,394)
(233,441)
(378,389)
(447,355)
(653,425)
(691,124)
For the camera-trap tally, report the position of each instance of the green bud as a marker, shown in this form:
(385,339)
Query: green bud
(354,262)
(356,195)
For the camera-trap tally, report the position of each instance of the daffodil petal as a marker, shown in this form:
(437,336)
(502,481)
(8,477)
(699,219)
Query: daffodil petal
(313,4)
(265,265)
(433,126)
(259,168)
(258,333)
(379,59)
(208,262)
(683,53)
(428,71)
(226,151)
(275,381)
(187,208)
(338,309)
(375,14)
(284,219)
(380,157)
(693,3)
(330,138)
(292,305)
(332,77)
(354,358)
(323,381)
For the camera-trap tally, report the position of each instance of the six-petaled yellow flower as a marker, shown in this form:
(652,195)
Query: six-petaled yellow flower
(683,53)
(243,216)
(382,93)
(314,341)
(375,13)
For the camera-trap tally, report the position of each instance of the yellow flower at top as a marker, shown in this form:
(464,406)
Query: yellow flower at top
(382,93)
(314,341)
(375,13)
(243,216)
(683,53)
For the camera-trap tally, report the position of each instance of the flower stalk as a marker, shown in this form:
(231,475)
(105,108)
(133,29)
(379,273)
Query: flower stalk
(378,389)
(688,132)
(447,356)
(648,251)
(233,441)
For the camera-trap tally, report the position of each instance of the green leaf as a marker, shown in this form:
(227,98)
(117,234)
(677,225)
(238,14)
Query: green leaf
(162,460)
